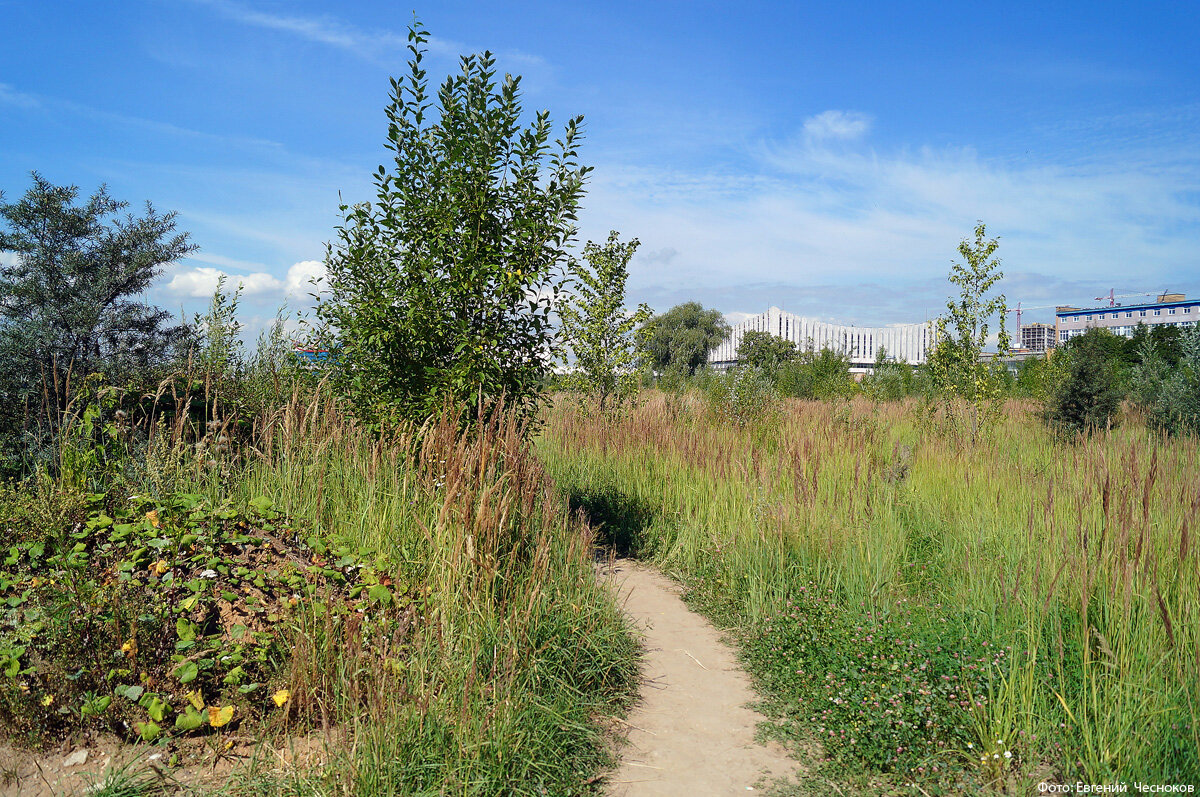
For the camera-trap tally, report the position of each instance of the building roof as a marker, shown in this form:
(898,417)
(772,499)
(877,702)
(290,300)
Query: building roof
(1061,311)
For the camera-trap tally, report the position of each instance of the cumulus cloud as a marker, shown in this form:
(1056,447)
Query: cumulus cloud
(200,282)
(305,279)
(663,256)
(842,125)
(735,318)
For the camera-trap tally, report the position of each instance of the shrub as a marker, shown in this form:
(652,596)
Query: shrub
(820,375)
(1172,395)
(1088,397)
(441,289)
(741,396)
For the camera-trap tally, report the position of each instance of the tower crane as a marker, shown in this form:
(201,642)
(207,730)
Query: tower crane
(1113,296)
(1019,309)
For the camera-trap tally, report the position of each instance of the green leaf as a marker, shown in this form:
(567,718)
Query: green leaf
(190,719)
(187,672)
(133,692)
(149,731)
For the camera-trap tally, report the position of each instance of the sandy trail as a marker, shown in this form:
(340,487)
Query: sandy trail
(690,733)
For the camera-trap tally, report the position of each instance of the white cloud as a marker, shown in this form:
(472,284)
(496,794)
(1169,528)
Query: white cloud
(9,259)
(377,45)
(844,125)
(202,281)
(816,216)
(735,318)
(304,279)
(10,96)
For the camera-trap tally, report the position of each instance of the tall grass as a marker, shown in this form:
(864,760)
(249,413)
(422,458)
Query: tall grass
(506,654)
(514,649)
(1068,573)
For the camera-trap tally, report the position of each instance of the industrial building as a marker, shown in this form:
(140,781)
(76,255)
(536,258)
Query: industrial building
(908,343)
(1170,308)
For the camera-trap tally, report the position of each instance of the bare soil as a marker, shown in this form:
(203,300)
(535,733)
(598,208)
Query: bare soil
(691,732)
(203,768)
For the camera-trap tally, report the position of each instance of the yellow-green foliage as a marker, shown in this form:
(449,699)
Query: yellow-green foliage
(1077,561)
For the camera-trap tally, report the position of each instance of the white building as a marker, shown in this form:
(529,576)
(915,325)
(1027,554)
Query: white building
(909,343)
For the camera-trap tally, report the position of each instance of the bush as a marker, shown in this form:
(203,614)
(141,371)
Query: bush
(821,375)
(888,380)
(1172,395)
(1088,397)
(741,396)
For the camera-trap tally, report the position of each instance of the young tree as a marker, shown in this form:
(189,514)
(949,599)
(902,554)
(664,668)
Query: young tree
(680,339)
(596,327)
(765,351)
(1089,395)
(68,303)
(441,288)
(956,365)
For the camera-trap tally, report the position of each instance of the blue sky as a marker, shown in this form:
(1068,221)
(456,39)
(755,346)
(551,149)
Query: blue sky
(822,157)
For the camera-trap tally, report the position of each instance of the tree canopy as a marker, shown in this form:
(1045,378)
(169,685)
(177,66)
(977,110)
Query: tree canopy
(441,288)
(680,339)
(68,291)
(598,329)
(764,350)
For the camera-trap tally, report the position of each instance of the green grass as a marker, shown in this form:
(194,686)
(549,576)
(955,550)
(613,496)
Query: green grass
(1052,589)
(485,659)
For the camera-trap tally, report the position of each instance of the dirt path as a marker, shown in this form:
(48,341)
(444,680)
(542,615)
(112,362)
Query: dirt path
(690,733)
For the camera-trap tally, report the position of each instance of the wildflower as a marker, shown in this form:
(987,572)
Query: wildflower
(1008,753)
(970,746)
(47,700)
(281,697)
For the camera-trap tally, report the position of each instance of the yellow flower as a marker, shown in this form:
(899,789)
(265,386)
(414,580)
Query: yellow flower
(47,700)
(161,567)
(281,697)
(127,647)
(152,516)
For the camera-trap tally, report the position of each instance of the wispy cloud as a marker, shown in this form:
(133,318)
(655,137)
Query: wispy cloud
(10,96)
(843,125)
(815,220)
(379,45)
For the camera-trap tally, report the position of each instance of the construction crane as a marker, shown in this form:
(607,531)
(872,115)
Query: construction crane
(1018,310)
(1113,296)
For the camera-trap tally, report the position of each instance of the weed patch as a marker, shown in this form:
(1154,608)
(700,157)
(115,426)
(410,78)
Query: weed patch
(150,618)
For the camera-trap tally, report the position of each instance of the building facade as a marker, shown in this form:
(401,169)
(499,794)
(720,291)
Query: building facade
(1171,308)
(1038,337)
(908,343)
